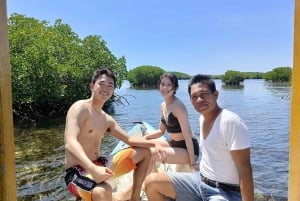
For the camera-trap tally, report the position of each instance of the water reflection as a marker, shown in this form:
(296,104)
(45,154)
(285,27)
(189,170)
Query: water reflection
(232,87)
(278,89)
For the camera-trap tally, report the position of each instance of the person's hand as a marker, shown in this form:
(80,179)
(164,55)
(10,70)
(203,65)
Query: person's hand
(101,174)
(161,152)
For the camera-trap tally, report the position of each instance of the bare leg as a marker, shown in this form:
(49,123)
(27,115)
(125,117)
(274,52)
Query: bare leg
(142,158)
(123,195)
(103,192)
(158,186)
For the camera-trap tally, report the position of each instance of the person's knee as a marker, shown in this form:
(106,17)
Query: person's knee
(140,154)
(147,157)
(146,153)
(150,181)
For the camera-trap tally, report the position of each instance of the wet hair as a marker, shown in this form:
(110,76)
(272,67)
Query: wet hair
(173,79)
(103,71)
(200,78)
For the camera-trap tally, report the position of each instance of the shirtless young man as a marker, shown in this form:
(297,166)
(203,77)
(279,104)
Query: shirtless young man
(86,124)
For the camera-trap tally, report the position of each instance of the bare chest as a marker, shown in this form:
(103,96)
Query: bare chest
(94,128)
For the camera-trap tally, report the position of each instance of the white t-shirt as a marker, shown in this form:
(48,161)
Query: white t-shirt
(228,133)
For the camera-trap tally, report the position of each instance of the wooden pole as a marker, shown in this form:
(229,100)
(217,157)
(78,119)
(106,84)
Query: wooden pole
(7,147)
(294,168)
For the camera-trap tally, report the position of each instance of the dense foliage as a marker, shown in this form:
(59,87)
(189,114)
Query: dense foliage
(181,76)
(247,75)
(232,77)
(52,66)
(279,74)
(253,75)
(144,76)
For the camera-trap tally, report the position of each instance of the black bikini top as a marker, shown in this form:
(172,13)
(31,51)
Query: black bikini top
(172,125)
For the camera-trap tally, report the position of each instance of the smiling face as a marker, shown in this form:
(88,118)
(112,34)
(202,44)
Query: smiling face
(168,84)
(202,98)
(166,87)
(103,87)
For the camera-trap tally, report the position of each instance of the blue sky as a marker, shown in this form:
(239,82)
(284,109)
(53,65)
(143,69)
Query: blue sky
(191,36)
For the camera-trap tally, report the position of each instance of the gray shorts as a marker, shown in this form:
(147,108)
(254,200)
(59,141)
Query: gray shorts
(187,185)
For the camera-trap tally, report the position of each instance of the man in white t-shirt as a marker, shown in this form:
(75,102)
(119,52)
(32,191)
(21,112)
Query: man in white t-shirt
(225,167)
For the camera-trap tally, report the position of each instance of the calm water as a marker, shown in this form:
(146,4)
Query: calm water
(265,107)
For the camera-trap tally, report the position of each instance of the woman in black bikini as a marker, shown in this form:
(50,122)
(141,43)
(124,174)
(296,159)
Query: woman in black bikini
(183,147)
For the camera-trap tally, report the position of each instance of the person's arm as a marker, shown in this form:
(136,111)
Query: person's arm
(122,135)
(162,128)
(158,133)
(182,116)
(243,164)
(74,121)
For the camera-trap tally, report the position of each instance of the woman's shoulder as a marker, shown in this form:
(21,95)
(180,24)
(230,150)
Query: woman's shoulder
(179,103)
(162,106)
(179,107)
